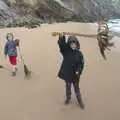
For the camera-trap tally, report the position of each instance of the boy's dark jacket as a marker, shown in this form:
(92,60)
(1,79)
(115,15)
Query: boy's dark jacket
(73,62)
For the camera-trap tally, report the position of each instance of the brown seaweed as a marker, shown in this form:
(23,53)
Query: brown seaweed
(104,41)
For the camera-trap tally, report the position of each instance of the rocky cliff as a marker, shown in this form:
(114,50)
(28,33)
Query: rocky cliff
(22,12)
(94,9)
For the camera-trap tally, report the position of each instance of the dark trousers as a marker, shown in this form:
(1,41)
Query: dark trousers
(76,89)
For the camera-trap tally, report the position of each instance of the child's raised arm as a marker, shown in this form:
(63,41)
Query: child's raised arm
(62,44)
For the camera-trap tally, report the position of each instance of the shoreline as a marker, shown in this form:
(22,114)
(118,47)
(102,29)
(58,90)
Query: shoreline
(4,27)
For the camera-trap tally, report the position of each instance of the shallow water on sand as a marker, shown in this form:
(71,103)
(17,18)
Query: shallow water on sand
(114,26)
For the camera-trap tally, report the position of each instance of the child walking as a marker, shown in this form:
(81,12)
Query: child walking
(11,50)
(72,66)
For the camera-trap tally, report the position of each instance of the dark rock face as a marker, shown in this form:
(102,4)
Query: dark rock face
(94,9)
(52,11)
(6,14)
(39,11)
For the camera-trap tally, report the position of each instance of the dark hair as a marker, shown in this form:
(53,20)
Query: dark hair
(8,35)
(75,40)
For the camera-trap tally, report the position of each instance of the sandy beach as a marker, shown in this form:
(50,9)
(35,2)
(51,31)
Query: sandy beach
(42,96)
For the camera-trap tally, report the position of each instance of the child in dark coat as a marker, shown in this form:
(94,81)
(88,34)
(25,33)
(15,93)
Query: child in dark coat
(11,50)
(72,66)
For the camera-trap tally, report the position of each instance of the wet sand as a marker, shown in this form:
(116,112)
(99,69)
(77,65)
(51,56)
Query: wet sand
(42,96)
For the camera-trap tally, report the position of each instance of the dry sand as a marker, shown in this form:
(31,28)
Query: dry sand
(42,97)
